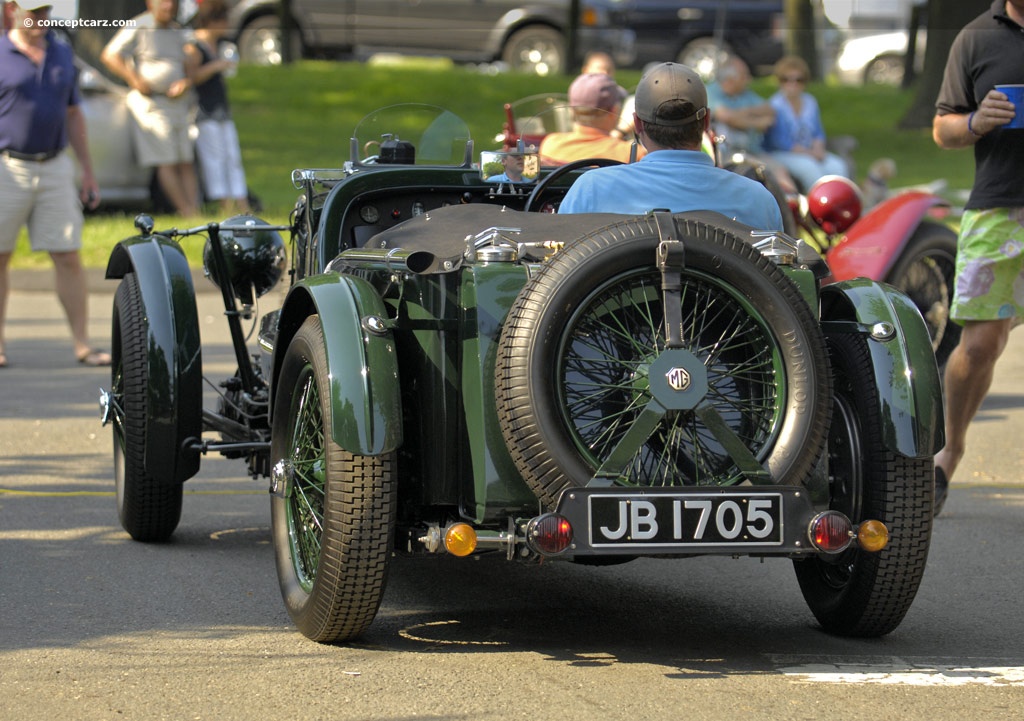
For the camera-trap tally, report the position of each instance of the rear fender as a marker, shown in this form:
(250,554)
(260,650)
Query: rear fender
(361,356)
(174,410)
(874,243)
(906,374)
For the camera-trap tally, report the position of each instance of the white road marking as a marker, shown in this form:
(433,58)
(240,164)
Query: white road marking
(916,673)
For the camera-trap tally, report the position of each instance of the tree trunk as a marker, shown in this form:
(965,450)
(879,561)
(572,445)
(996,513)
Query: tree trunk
(800,35)
(945,18)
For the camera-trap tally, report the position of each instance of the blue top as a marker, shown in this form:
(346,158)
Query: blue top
(791,129)
(673,180)
(737,139)
(34,99)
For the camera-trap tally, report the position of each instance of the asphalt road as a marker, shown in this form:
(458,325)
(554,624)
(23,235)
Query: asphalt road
(95,626)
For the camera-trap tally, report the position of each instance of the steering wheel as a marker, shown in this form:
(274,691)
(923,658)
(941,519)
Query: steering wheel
(533,202)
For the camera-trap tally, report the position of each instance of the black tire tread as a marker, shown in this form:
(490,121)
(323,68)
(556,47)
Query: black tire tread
(358,518)
(898,491)
(149,511)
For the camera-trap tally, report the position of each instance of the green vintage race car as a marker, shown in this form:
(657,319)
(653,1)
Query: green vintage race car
(452,372)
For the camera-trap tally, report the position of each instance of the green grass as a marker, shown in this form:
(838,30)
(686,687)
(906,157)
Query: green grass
(302,116)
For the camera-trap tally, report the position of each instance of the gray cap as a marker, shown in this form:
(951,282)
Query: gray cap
(671,94)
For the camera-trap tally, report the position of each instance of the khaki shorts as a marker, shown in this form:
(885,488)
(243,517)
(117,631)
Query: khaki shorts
(161,129)
(990,266)
(42,196)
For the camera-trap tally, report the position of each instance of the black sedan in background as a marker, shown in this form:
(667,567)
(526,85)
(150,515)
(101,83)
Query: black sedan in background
(699,33)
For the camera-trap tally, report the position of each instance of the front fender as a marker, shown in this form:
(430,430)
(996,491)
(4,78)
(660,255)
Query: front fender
(874,243)
(174,397)
(365,391)
(906,374)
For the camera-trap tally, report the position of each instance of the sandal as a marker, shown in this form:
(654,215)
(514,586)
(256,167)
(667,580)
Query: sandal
(95,358)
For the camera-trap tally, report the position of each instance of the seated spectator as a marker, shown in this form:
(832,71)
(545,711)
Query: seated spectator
(739,117)
(738,114)
(797,138)
(596,102)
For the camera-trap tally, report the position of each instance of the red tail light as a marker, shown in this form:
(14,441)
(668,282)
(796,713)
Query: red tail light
(831,532)
(549,534)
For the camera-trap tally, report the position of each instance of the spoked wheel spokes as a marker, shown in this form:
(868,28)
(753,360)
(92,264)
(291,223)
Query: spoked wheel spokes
(306,501)
(606,363)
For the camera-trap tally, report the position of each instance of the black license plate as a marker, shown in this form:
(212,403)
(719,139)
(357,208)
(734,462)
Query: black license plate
(685,519)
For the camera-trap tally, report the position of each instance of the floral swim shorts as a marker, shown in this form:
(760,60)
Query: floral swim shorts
(990,266)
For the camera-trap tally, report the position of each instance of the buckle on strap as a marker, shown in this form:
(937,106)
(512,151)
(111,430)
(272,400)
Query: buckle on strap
(31,157)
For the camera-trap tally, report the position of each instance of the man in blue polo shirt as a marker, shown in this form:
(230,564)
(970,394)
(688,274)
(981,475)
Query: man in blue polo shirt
(671,115)
(39,117)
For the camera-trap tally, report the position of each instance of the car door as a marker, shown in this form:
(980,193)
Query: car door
(450,27)
(327,23)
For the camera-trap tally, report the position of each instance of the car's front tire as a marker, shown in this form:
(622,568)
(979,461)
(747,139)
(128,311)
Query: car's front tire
(149,510)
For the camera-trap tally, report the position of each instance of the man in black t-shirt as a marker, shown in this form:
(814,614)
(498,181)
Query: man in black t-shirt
(989,288)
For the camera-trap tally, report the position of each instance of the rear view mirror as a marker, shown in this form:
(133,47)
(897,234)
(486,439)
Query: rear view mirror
(509,167)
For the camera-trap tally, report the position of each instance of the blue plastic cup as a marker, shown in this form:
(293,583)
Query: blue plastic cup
(1016,95)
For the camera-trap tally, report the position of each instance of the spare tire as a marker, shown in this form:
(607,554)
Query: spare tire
(576,350)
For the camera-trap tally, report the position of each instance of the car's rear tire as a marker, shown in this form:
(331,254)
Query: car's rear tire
(926,271)
(859,593)
(580,338)
(885,70)
(148,510)
(537,49)
(332,512)
(261,42)
(704,55)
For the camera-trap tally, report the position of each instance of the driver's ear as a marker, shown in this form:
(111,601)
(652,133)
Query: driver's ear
(638,124)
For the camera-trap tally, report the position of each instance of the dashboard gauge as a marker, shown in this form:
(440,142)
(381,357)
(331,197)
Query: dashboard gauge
(369,214)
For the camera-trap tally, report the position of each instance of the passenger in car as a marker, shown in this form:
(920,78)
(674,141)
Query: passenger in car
(671,117)
(596,101)
(601,62)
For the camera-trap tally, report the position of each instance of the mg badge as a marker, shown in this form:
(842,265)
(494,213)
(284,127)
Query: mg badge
(678,379)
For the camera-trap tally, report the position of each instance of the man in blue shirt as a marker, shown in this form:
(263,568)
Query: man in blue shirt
(39,117)
(671,115)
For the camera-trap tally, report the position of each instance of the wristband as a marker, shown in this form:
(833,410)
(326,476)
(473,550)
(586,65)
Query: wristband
(969,128)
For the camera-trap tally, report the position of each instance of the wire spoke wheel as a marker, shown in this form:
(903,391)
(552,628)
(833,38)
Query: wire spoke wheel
(306,504)
(605,361)
(925,271)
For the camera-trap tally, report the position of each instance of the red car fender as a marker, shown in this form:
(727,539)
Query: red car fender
(873,243)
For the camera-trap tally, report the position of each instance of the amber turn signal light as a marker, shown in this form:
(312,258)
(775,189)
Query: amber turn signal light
(460,539)
(872,536)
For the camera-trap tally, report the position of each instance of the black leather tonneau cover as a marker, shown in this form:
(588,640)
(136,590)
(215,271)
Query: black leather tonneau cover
(444,231)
